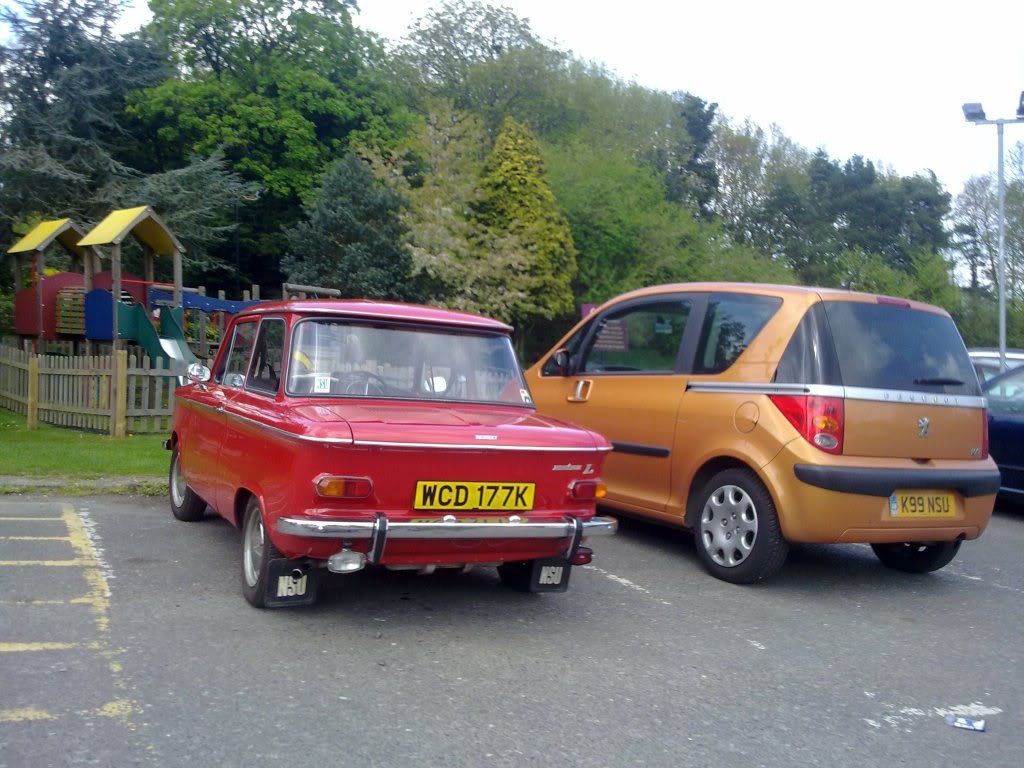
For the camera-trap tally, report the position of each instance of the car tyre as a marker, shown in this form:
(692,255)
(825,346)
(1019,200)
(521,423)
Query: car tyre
(916,556)
(257,552)
(185,504)
(737,530)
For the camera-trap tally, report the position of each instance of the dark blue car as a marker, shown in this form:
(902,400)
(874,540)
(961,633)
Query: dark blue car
(1006,428)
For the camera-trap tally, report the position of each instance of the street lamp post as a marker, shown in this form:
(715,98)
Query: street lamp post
(975,114)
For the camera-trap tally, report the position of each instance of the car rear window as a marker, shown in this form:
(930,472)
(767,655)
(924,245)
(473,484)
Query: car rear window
(889,346)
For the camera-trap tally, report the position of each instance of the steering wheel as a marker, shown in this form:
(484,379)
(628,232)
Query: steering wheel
(362,383)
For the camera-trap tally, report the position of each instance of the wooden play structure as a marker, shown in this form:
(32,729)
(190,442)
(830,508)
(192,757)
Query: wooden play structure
(137,322)
(112,307)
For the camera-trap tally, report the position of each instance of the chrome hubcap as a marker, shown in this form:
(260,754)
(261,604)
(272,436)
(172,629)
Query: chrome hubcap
(177,482)
(728,526)
(252,549)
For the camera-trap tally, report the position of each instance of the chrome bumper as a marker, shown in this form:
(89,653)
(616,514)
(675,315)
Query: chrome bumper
(445,529)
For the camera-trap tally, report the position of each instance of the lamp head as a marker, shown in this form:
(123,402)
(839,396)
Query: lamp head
(974,112)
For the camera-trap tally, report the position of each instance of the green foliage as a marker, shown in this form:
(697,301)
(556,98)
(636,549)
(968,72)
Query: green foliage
(352,237)
(516,202)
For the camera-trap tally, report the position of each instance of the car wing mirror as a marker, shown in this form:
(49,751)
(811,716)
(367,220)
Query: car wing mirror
(562,359)
(197,374)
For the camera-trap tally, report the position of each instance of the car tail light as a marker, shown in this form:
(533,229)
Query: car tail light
(587,490)
(583,556)
(819,420)
(334,487)
(984,433)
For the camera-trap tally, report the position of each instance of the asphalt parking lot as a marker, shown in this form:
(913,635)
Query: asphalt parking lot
(124,640)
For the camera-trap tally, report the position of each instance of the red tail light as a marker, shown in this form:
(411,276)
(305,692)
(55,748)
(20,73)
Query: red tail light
(984,433)
(334,487)
(583,556)
(819,420)
(587,490)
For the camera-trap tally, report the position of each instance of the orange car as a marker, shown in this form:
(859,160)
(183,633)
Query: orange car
(758,415)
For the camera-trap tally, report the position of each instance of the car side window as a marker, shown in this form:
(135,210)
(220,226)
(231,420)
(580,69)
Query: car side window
(573,345)
(731,323)
(236,362)
(644,338)
(265,369)
(1006,396)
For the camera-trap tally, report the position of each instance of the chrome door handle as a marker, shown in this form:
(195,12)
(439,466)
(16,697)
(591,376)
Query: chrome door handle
(581,392)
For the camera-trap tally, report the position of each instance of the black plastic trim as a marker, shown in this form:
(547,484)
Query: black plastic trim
(640,450)
(869,481)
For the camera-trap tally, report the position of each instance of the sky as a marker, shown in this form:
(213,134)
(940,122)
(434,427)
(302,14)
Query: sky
(885,80)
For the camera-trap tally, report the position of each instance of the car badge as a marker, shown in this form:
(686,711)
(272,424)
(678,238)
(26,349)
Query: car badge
(922,426)
(486,437)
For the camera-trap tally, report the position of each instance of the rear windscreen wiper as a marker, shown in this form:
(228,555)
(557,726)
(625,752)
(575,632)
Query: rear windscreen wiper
(939,381)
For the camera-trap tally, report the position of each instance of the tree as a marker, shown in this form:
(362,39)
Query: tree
(448,41)
(67,145)
(352,237)
(63,80)
(283,88)
(517,202)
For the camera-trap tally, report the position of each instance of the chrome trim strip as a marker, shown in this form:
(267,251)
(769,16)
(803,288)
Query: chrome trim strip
(481,447)
(286,433)
(899,396)
(276,430)
(343,529)
(766,388)
(914,398)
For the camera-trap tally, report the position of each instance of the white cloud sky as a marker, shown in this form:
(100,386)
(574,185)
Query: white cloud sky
(884,79)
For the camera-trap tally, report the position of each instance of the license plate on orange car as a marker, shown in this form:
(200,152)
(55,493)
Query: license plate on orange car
(444,494)
(922,504)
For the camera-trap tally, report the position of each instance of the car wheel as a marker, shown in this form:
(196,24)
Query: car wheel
(738,533)
(185,504)
(257,552)
(917,557)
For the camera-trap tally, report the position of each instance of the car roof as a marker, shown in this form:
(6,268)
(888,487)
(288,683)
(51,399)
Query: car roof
(986,352)
(377,310)
(806,291)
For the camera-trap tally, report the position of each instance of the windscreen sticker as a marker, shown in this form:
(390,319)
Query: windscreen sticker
(322,385)
(525,395)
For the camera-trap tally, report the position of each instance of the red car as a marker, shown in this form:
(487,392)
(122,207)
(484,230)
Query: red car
(352,433)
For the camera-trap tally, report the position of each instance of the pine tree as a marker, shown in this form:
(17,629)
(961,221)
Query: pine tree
(352,237)
(516,203)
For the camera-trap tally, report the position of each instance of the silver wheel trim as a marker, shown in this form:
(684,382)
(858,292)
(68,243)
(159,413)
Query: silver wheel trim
(728,526)
(178,486)
(252,548)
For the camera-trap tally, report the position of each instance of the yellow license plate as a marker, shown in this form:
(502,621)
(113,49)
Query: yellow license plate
(443,494)
(922,504)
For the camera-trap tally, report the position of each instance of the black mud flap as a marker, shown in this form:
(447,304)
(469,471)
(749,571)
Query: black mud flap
(286,588)
(550,575)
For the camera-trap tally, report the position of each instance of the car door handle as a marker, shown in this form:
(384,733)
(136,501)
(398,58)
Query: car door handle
(581,392)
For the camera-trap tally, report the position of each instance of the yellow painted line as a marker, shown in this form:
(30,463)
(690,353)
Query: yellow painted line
(118,708)
(72,601)
(29,647)
(34,538)
(24,714)
(51,563)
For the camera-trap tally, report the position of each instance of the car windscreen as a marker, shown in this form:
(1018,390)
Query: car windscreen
(355,359)
(892,346)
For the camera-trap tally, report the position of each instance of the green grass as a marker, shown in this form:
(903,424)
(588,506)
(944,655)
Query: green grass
(55,452)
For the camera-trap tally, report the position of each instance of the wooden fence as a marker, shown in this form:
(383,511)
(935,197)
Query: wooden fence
(101,393)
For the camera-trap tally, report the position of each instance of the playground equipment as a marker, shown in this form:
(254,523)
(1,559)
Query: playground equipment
(35,308)
(113,306)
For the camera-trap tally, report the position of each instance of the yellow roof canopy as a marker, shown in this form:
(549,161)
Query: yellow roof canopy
(142,222)
(64,231)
